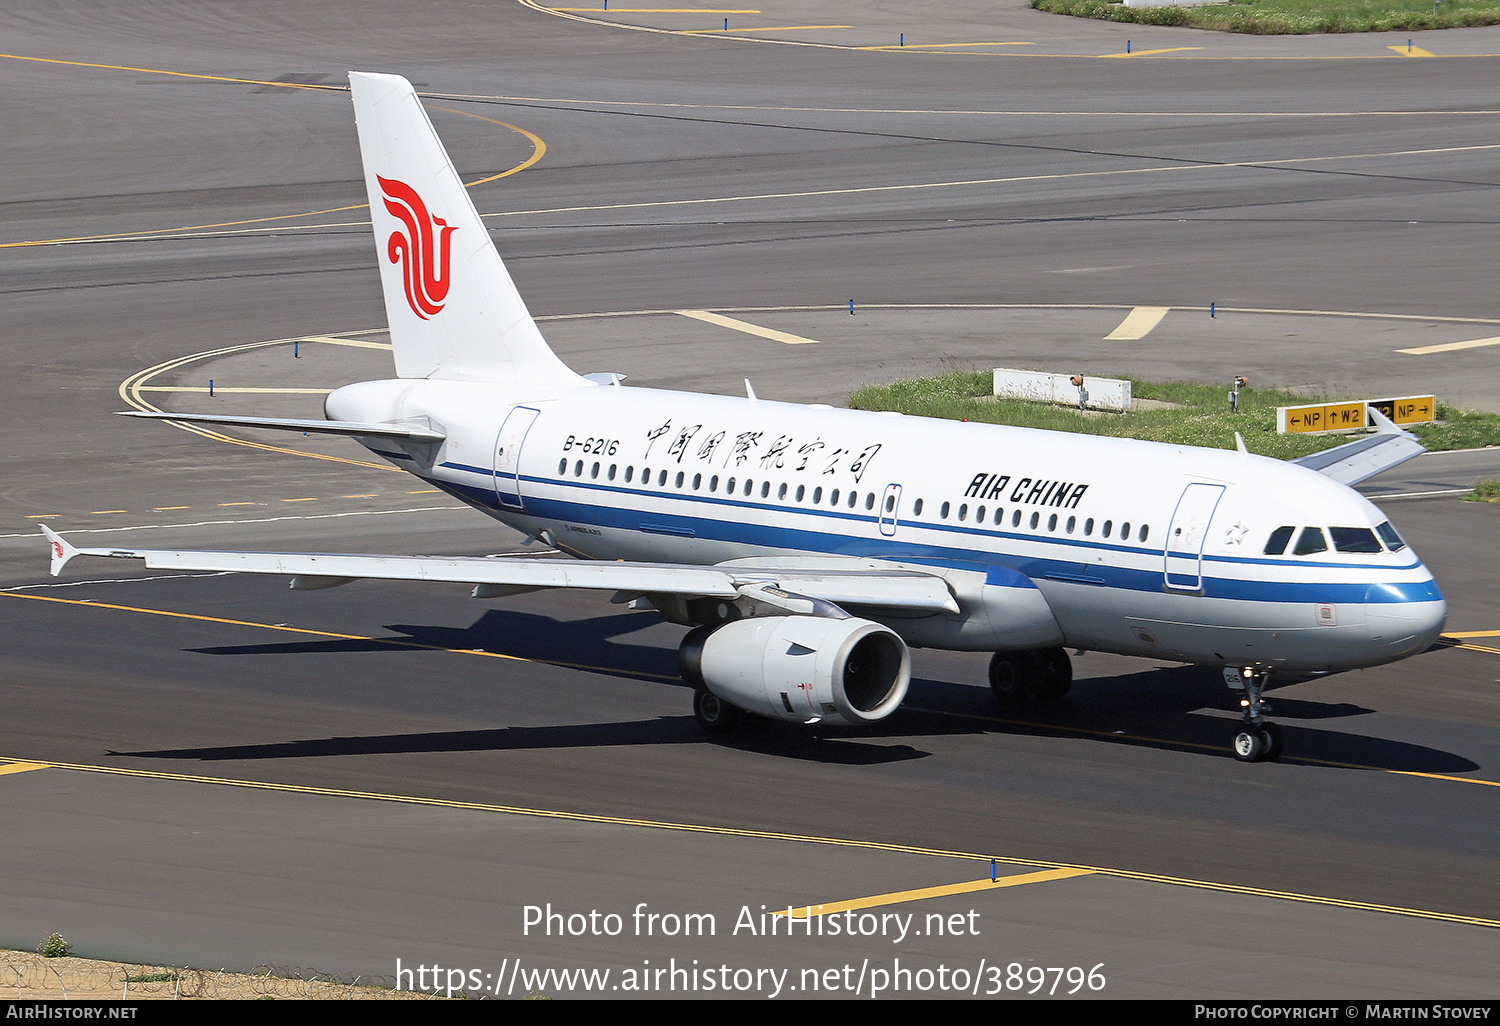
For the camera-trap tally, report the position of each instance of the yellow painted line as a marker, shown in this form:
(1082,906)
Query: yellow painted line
(164,509)
(1472,634)
(371,495)
(243,391)
(771,28)
(748,328)
(1450,347)
(1412,51)
(937,46)
(424,491)
(1149,53)
(130,391)
(764,835)
(42,516)
(539,148)
(391,642)
(300,500)
(356,343)
(899,897)
(1479,648)
(1138,323)
(654,10)
(21,767)
(100,512)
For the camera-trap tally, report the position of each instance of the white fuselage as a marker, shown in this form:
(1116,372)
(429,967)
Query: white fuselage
(1045,538)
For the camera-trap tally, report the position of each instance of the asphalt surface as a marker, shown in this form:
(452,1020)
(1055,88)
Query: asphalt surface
(229,774)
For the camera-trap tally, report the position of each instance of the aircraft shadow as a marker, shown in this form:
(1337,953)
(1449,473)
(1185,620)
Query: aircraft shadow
(1173,708)
(664,730)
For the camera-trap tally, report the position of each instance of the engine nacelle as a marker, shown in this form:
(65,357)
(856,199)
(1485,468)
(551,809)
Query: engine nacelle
(801,668)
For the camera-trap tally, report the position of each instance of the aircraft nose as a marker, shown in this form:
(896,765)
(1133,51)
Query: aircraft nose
(1406,616)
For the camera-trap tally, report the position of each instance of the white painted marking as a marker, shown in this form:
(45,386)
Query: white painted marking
(356,343)
(1138,323)
(748,328)
(220,388)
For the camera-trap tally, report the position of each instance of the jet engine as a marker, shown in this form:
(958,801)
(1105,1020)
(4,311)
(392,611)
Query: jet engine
(804,669)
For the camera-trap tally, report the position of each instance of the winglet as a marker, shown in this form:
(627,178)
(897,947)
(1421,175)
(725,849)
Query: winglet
(61,550)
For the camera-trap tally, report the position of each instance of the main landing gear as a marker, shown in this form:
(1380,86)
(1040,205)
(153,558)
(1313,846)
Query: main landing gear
(1257,740)
(1031,675)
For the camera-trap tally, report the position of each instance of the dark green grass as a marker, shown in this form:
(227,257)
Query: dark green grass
(1281,17)
(1202,416)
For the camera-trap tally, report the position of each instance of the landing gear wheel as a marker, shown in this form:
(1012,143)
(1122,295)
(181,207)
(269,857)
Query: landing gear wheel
(713,713)
(1250,745)
(1271,735)
(1007,676)
(1054,675)
(1034,675)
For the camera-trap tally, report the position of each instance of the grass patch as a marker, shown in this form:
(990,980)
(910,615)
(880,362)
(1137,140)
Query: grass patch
(1485,491)
(1292,17)
(1201,416)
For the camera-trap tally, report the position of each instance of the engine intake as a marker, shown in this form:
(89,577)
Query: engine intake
(802,669)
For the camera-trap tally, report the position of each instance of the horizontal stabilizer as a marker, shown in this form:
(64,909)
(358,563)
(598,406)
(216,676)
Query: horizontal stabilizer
(887,588)
(314,427)
(1363,458)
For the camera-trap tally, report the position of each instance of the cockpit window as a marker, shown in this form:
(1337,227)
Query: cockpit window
(1309,541)
(1354,539)
(1276,544)
(1392,539)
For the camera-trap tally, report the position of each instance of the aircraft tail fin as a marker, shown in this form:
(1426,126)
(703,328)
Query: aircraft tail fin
(454,312)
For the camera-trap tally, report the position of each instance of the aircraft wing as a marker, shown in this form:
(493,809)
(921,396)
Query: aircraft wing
(872,586)
(1362,459)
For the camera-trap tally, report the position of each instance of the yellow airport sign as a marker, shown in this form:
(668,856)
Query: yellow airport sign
(1318,418)
(1408,409)
(1321,417)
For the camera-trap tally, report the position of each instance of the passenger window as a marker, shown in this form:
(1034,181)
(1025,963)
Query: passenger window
(1088,526)
(1036,518)
(578,469)
(801,491)
(817,496)
(833,497)
(629,473)
(1354,539)
(594,472)
(890,503)
(1125,531)
(1309,541)
(728,486)
(1052,522)
(870,501)
(697,481)
(963,511)
(943,512)
(562,467)
(916,509)
(1276,544)
(611,473)
(1072,523)
(979,515)
(1108,526)
(781,491)
(1145,530)
(853,498)
(999,516)
(679,479)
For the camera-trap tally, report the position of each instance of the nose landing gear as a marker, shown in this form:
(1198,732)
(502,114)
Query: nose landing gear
(1258,740)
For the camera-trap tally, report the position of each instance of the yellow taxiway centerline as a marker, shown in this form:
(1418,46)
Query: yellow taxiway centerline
(748,328)
(922,893)
(1138,323)
(771,835)
(1451,347)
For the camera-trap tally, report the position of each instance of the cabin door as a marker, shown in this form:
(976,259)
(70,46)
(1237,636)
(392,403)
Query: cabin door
(508,456)
(1186,535)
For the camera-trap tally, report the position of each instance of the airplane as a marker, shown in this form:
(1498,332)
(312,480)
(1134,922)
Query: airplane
(808,548)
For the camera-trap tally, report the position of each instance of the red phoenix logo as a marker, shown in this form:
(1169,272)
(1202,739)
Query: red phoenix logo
(426,279)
